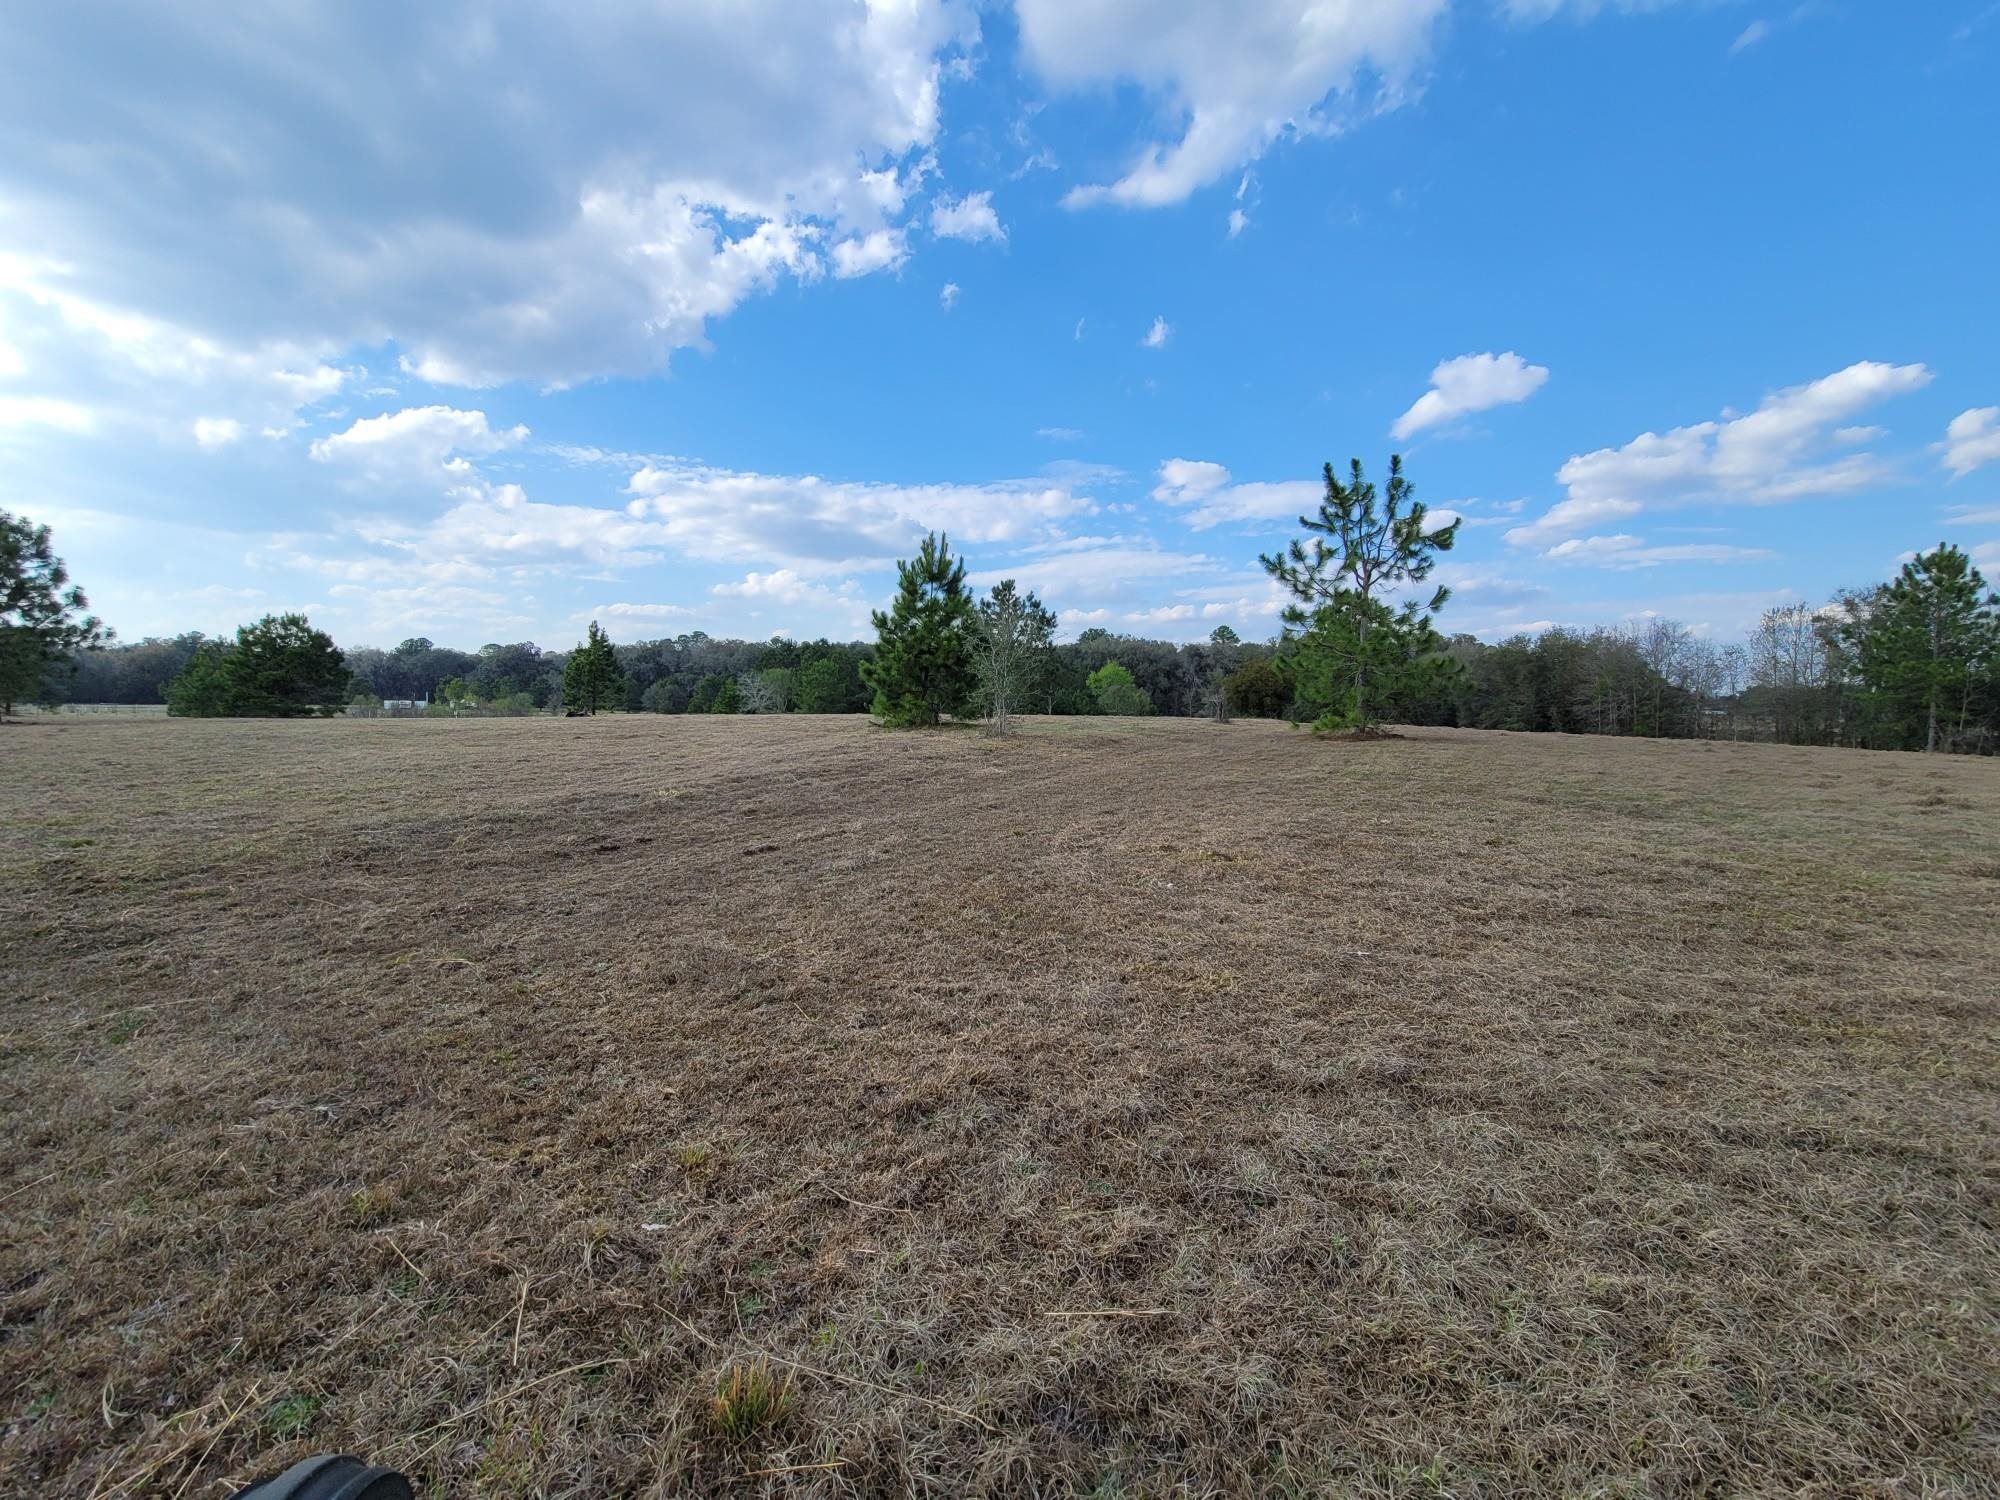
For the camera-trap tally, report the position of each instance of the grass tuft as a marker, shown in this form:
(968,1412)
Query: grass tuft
(750,1402)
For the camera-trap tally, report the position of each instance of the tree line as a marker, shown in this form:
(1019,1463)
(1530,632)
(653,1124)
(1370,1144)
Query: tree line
(1913,663)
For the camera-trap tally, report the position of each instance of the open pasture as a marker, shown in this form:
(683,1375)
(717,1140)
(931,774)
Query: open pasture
(1130,1108)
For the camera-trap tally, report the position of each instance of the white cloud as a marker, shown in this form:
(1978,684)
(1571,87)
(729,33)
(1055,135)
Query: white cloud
(1471,383)
(44,411)
(1205,496)
(863,255)
(1103,566)
(418,441)
(1966,515)
(1972,439)
(817,525)
(787,588)
(1542,10)
(639,611)
(968,218)
(1239,216)
(1568,516)
(1240,75)
(503,193)
(1751,35)
(127,369)
(1625,551)
(211,433)
(1060,434)
(1163,615)
(948,298)
(1156,337)
(1776,453)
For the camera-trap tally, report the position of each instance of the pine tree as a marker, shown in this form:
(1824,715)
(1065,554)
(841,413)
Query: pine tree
(591,676)
(41,621)
(278,668)
(1350,651)
(1926,642)
(923,666)
(1013,638)
(281,667)
(201,688)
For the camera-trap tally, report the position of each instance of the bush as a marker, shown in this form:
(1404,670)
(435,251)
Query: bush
(1116,693)
(1258,690)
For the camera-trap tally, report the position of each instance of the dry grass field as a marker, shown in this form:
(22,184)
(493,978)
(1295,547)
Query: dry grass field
(1131,1108)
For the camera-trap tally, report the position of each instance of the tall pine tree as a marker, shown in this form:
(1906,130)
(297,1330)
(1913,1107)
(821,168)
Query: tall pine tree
(923,666)
(42,624)
(1350,652)
(591,677)
(1928,647)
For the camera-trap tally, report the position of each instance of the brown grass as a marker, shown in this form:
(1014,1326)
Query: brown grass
(1134,1107)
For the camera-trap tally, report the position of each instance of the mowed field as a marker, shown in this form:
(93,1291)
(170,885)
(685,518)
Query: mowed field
(1129,1108)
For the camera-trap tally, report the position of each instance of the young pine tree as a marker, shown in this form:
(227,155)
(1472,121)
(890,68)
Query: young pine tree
(923,666)
(1351,651)
(591,676)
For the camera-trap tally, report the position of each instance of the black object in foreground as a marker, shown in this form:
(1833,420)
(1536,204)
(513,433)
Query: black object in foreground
(333,1476)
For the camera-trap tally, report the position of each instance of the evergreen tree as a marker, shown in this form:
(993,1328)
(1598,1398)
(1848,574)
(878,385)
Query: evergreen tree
(702,700)
(1928,643)
(591,676)
(42,624)
(278,668)
(201,689)
(728,698)
(923,666)
(1115,692)
(825,686)
(281,667)
(1012,646)
(1351,653)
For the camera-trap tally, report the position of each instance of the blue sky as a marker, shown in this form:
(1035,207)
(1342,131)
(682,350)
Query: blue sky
(479,321)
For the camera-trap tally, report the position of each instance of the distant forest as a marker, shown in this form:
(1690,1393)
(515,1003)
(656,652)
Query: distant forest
(1792,681)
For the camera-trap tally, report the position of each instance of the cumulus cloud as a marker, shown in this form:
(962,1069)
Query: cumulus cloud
(863,255)
(419,441)
(1155,337)
(501,192)
(1972,439)
(1787,449)
(1566,517)
(211,433)
(1240,75)
(968,218)
(1470,383)
(1205,495)
(817,525)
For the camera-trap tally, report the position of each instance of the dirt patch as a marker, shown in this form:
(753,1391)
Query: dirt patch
(647,1105)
